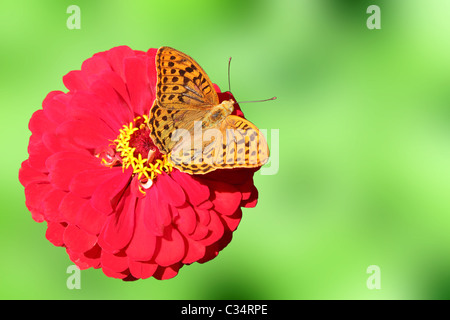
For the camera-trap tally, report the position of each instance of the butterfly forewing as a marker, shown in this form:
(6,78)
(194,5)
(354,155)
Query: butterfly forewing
(169,124)
(182,82)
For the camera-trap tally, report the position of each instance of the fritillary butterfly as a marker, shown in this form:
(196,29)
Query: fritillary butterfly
(188,122)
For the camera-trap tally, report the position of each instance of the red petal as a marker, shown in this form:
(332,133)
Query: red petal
(90,219)
(164,273)
(200,232)
(95,65)
(86,182)
(151,207)
(169,191)
(88,133)
(54,106)
(88,259)
(213,250)
(115,58)
(54,233)
(226,198)
(78,240)
(116,83)
(113,274)
(64,165)
(196,191)
(142,269)
(216,230)
(172,248)
(137,84)
(252,201)
(115,262)
(70,206)
(203,216)
(51,205)
(249,194)
(233,221)
(119,226)
(187,219)
(195,251)
(151,74)
(38,154)
(105,196)
(39,123)
(143,244)
(113,113)
(27,174)
(34,193)
(75,80)
(216,88)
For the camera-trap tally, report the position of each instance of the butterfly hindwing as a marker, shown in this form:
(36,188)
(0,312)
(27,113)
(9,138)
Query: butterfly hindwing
(235,143)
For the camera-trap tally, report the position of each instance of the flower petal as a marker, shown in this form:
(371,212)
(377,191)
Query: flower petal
(118,229)
(75,80)
(55,232)
(51,204)
(216,230)
(187,219)
(196,191)
(169,190)
(142,245)
(195,251)
(164,273)
(90,219)
(137,84)
(141,269)
(86,182)
(34,193)
(226,198)
(78,240)
(116,262)
(171,249)
(70,206)
(64,165)
(27,174)
(105,196)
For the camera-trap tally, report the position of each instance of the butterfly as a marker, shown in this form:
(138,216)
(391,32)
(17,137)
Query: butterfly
(188,123)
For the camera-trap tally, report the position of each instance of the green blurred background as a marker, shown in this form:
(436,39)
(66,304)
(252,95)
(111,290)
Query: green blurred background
(364,130)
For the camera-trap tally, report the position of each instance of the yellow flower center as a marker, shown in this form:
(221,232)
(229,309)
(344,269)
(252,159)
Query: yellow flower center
(134,148)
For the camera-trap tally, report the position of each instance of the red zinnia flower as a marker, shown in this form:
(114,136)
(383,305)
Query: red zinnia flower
(89,178)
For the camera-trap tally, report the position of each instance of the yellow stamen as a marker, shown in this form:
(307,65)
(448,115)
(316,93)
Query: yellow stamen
(145,170)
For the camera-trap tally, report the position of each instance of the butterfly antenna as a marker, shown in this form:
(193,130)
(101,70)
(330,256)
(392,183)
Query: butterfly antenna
(229,82)
(273,98)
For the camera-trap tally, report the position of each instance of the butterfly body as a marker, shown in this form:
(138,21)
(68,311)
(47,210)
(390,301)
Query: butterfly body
(188,122)
(217,114)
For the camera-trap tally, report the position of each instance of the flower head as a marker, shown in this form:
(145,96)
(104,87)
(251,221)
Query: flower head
(108,195)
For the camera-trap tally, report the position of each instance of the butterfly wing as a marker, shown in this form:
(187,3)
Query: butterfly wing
(165,124)
(181,82)
(235,143)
